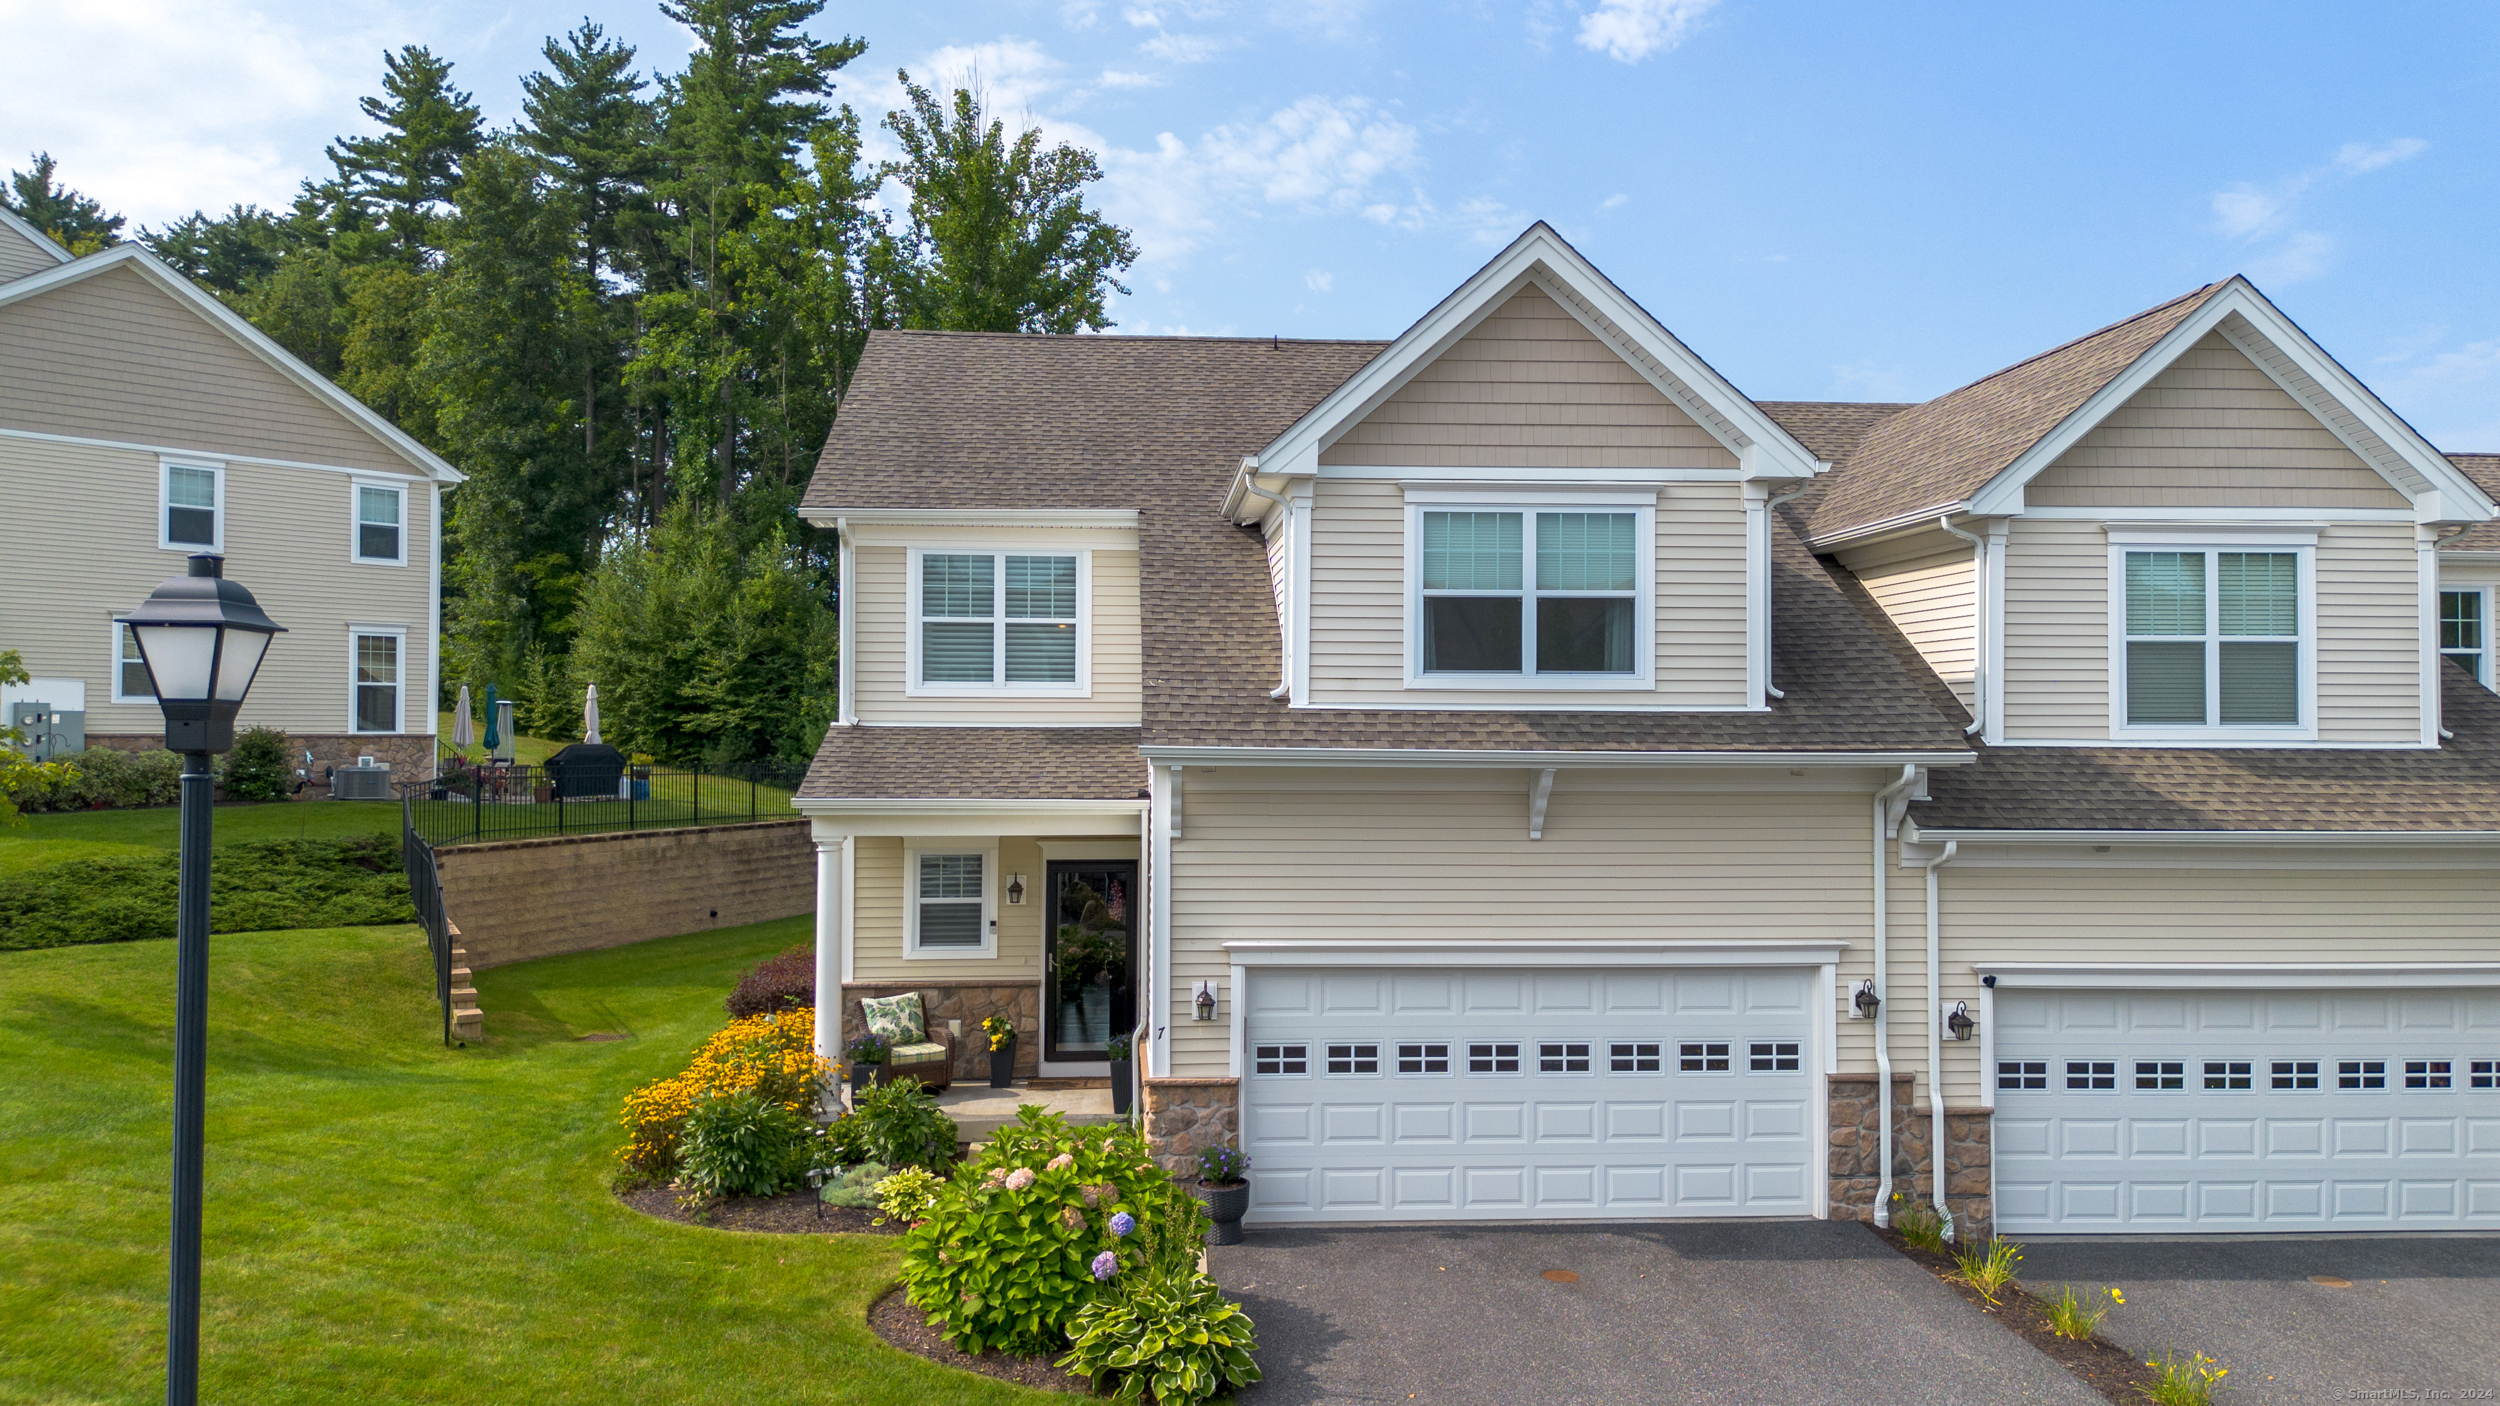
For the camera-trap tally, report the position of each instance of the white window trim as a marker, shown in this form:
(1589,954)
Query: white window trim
(114,679)
(1084,685)
(2303,546)
(912,852)
(1644,508)
(400,718)
(2482,667)
(356,522)
(165,465)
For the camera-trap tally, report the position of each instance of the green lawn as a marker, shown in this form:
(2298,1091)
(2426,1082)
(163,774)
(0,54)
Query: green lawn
(93,834)
(390,1221)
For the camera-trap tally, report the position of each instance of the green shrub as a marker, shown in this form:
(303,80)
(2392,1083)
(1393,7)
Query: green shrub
(1005,1257)
(101,776)
(901,1125)
(254,886)
(1179,1338)
(742,1144)
(907,1196)
(257,770)
(854,1186)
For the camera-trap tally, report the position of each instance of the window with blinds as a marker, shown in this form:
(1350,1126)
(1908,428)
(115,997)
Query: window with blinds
(951,904)
(1486,607)
(999,620)
(2213,638)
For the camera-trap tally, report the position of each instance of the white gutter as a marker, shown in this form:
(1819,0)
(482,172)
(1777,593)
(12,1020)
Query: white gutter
(1979,625)
(1768,686)
(2209,837)
(1515,758)
(1883,1014)
(1935,1046)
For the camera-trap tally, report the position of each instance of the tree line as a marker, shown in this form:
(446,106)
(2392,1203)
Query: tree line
(630,318)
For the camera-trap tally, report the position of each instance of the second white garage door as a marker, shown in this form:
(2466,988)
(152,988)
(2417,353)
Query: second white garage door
(1473,1094)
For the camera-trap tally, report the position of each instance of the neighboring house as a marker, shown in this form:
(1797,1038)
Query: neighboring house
(1546,783)
(141,421)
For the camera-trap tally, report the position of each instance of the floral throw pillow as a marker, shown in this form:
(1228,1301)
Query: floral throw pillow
(897,1018)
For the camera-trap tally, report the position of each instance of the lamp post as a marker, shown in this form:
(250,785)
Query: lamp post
(202,638)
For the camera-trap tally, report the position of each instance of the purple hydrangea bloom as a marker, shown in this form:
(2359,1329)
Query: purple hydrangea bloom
(1123,1223)
(1106,1264)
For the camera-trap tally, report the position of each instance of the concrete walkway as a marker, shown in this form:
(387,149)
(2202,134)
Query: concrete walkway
(979,1110)
(1801,1313)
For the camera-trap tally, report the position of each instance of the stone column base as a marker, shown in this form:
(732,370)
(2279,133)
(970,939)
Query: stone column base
(1185,1115)
(1857,1158)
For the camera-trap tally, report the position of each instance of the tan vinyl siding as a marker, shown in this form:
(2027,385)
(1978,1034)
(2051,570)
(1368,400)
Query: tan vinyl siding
(2308,908)
(93,554)
(2369,635)
(878,914)
(1358,604)
(2212,430)
(1529,387)
(114,357)
(1424,857)
(2056,630)
(881,653)
(1924,585)
(20,256)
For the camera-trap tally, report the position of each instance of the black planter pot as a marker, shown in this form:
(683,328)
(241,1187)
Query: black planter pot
(1123,1085)
(1003,1067)
(1225,1205)
(865,1076)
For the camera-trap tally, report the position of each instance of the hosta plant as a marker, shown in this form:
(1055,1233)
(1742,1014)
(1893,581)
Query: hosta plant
(907,1195)
(1176,1337)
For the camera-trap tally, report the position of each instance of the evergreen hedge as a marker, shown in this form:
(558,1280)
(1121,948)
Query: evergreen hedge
(254,886)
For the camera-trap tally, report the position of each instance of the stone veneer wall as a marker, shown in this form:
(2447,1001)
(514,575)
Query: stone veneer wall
(519,899)
(411,754)
(1857,1155)
(971,1003)
(1184,1115)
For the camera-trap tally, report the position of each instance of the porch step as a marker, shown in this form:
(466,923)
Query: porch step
(980,1111)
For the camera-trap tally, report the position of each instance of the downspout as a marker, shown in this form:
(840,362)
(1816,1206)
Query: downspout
(1250,485)
(1768,686)
(1935,1044)
(1979,625)
(1883,1018)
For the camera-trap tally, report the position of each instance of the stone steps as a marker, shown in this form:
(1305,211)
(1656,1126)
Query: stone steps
(467,1021)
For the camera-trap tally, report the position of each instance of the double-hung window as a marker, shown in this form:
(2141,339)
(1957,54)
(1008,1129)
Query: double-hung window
(377,656)
(2212,639)
(191,516)
(380,526)
(1541,596)
(2465,630)
(999,620)
(131,681)
(950,903)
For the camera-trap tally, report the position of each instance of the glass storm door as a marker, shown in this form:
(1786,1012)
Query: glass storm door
(1088,954)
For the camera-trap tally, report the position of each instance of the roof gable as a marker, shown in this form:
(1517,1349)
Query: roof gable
(24,249)
(119,348)
(1541,257)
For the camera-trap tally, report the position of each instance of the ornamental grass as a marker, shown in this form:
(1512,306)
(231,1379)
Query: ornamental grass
(773,1056)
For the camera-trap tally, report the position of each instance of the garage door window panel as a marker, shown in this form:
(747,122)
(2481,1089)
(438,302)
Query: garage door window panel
(2090,1074)
(1492,1058)
(1702,1057)
(2361,1074)
(2428,1074)
(1280,1060)
(1423,1058)
(1562,1057)
(2227,1075)
(1354,1059)
(1634,1057)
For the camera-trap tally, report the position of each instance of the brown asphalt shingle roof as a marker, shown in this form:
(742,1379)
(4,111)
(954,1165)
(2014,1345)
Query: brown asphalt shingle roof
(987,763)
(2484,469)
(1931,456)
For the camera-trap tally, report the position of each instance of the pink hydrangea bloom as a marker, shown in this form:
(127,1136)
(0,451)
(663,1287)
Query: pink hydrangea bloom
(1020,1178)
(1062,1162)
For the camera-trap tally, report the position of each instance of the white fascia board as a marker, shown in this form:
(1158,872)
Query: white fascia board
(973,517)
(2468,558)
(2444,494)
(202,302)
(2238,975)
(956,805)
(1765,448)
(1457,757)
(1917,834)
(1496,952)
(16,223)
(1898,525)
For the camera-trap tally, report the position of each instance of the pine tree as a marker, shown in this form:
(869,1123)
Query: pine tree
(75,222)
(586,121)
(428,129)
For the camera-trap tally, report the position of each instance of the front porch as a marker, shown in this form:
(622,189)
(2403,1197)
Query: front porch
(979,1110)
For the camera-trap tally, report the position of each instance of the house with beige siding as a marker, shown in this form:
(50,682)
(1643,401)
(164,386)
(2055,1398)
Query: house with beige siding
(141,421)
(1507,772)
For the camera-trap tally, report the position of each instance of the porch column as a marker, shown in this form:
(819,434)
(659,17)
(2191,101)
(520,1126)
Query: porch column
(830,901)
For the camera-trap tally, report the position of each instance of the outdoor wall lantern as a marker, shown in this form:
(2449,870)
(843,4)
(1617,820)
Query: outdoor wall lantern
(201,637)
(1205,1004)
(1866,1000)
(1015,889)
(1959,1023)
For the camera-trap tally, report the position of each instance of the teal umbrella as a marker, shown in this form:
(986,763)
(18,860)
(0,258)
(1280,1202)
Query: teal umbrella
(492,739)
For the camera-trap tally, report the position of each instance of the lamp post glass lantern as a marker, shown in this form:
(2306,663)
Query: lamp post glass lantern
(202,638)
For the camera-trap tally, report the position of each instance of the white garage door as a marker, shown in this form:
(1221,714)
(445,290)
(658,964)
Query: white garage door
(2140,1112)
(1449,1094)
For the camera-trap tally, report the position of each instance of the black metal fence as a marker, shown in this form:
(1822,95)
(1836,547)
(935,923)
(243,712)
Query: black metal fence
(425,886)
(476,804)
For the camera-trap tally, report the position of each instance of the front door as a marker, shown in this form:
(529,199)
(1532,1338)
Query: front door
(1089,952)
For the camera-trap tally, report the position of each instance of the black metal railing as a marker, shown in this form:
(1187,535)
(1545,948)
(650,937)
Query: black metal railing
(425,887)
(475,804)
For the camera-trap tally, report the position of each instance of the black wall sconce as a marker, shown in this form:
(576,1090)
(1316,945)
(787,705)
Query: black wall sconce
(1866,1001)
(1958,1023)
(1015,889)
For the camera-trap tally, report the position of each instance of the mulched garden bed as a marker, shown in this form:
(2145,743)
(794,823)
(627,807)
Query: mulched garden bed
(791,1213)
(2099,1363)
(895,1320)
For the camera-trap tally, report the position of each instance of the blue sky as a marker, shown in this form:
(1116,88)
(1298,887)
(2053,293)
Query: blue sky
(1827,201)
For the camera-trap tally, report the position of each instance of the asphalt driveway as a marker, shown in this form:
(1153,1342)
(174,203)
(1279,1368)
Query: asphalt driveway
(1796,1312)
(2418,1317)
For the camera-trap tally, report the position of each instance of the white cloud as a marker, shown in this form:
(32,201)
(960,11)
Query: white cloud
(2297,259)
(1489,221)
(1114,78)
(2353,158)
(2244,210)
(1080,14)
(1319,281)
(1182,48)
(1614,201)
(1142,18)
(1009,74)
(1320,155)
(1631,30)
(2249,213)
(2449,396)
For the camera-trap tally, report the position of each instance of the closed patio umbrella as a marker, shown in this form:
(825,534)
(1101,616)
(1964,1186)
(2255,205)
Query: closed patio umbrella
(461,733)
(590,715)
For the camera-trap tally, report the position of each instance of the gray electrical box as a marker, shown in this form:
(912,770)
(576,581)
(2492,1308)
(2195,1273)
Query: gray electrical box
(46,733)
(362,783)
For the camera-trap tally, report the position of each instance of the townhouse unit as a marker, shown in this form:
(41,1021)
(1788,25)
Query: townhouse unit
(1507,772)
(142,421)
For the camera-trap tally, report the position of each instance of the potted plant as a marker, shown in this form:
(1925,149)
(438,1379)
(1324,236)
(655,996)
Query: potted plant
(867,1054)
(1123,1074)
(1224,1185)
(1002,1036)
